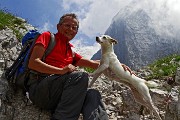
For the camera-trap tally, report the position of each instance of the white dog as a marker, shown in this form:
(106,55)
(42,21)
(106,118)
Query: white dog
(112,68)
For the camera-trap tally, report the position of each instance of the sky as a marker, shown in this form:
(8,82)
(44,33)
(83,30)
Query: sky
(95,16)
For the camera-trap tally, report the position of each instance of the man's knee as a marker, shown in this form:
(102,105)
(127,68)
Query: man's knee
(93,108)
(78,79)
(84,78)
(85,75)
(93,94)
(92,100)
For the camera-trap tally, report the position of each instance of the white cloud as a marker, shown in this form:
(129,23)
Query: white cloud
(84,50)
(174,13)
(99,16)
(95,15)
(67,4)
(46,27)
(162,12)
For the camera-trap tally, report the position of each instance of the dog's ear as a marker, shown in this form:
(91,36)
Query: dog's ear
(114,41)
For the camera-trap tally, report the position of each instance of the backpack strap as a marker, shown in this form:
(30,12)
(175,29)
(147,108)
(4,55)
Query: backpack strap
(51,45)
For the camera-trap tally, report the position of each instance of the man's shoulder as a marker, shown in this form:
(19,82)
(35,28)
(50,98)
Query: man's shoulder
(46,33)
(44,38)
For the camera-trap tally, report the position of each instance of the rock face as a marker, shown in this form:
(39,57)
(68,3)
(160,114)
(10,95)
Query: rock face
(141,39)
(13,104)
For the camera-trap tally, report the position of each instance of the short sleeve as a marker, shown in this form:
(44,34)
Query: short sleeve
(44,39)
(76,58)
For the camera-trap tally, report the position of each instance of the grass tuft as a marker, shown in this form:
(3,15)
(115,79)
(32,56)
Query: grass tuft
(12,22)
(166,66)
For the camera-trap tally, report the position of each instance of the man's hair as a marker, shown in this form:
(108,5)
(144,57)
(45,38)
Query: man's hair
(73,15)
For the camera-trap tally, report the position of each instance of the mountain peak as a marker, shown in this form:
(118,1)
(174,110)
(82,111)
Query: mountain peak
(142,39)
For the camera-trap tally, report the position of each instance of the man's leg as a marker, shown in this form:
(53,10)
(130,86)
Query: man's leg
(72,98)
(93,108)
(64,94)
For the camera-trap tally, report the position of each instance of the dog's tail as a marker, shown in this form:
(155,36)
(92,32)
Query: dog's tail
(151,84)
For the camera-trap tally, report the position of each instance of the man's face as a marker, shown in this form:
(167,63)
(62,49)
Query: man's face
(69,27)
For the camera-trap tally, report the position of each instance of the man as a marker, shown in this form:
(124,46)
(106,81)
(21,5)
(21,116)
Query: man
(58,86)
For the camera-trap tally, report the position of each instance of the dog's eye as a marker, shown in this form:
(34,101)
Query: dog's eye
(104,37)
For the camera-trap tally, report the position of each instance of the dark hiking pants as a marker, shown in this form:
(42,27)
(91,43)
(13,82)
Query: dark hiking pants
(67,96)
(93,107)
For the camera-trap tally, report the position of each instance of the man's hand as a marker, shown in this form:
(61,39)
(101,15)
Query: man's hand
(69,68)
(127,68)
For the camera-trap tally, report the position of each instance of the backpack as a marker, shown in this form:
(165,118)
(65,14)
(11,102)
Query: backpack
(17,73)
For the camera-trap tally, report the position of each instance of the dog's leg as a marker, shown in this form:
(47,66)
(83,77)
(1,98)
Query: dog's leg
(100,69)
(94,79)
(154,109)
(151,106)
(137,96)
(139,99)
(144,91)
(98,72)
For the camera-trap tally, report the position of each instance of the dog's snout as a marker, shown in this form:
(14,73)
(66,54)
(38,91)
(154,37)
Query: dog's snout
(97,39)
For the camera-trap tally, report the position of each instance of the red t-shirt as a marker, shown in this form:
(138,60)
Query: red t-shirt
(62,54)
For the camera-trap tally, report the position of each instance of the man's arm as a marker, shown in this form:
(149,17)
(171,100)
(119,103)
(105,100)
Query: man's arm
(83,62)
(95,63)
(35,63)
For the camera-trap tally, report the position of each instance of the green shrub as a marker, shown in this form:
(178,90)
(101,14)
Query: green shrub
(89,70)
(164,67)
(10,21)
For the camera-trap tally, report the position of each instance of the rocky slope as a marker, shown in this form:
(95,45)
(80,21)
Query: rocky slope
(117,97)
